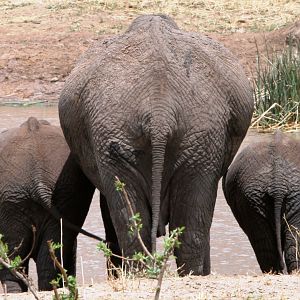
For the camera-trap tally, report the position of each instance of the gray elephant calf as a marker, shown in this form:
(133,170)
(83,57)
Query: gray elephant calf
(262,187)
(31,159)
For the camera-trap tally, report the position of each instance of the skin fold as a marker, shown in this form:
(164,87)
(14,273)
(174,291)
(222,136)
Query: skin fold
(165,111)
(262,189)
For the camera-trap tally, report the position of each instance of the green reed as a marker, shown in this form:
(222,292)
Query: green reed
(277,89)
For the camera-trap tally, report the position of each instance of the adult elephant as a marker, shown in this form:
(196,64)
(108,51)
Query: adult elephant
(262,189)
(31,158)
(164,110)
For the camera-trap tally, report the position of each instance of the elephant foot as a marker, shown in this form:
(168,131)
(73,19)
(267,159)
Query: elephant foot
(193,267)
(195,270)
(193,264)
(292,266)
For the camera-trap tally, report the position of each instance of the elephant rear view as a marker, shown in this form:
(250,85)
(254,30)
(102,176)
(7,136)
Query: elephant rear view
(165,111)
(262,189)
(32,157)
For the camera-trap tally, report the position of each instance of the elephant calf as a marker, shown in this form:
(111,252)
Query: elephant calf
(31,159)
(262,187)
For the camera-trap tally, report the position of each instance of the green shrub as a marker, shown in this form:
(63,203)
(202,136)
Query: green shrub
(277,89)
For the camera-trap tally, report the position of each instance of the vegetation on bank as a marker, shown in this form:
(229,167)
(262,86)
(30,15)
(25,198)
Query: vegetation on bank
(277,90)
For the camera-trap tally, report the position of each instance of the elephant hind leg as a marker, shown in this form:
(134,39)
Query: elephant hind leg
(259,229)
(110,236)
(291,248)
(18,237)
(44,265)
(192,205)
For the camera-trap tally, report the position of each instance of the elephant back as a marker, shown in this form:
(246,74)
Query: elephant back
(157,78)
(32,155)
(32,124)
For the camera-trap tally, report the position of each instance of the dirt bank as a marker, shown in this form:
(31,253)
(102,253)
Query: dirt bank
(40,41)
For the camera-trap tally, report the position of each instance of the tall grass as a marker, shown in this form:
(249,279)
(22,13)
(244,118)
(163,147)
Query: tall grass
(277,89)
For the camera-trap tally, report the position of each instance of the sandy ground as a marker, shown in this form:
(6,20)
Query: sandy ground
(281,287)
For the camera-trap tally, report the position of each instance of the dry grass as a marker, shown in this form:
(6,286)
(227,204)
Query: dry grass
(208,16)
(221,16)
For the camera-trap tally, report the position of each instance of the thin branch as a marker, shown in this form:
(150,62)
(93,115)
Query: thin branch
(135,225)
(61,248)
(56,295)
(168,249)
(294,237)
(167,255)
(32,246)
(19,275)
(160,277)
(122,257)
(15,249)
(57,263)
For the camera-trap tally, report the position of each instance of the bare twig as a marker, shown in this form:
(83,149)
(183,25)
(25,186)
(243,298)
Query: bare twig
(295,237)
(160,277)
(135,224)
(61,248)
(57,263)
(63,273)
(6,262)
(16,249)
(32,246)
(167,254)
(20,276)
(169,247)
(56,295)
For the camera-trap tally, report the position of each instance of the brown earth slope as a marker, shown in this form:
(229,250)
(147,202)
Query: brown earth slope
(40,42)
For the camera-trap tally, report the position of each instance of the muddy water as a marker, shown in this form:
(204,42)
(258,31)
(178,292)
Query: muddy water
(231,252)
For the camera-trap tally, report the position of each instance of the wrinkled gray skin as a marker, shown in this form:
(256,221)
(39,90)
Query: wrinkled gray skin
(165,111)
(261,187)
(31,159)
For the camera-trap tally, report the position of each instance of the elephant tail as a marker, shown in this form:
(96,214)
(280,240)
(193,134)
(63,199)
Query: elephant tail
(277,214)
(56,214)
(158,159)
(278,196)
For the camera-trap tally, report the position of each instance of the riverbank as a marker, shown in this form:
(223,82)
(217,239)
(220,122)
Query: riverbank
(281,287)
